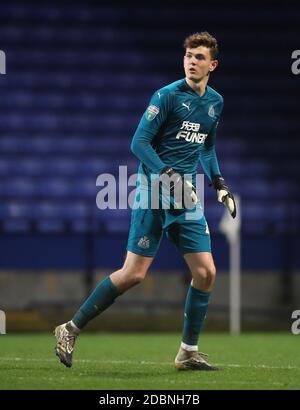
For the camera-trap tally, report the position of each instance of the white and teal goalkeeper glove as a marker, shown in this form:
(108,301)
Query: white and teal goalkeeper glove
(224,195)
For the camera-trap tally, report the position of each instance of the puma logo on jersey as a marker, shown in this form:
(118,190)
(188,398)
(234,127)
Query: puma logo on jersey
(186,105)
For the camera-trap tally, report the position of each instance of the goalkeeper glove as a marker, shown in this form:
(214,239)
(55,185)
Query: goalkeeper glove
(224,195)
(182,191)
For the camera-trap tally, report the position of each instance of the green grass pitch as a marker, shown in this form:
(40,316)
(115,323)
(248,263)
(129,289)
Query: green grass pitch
(145,361)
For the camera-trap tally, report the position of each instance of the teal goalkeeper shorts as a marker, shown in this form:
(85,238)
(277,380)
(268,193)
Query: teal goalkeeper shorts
(186,229)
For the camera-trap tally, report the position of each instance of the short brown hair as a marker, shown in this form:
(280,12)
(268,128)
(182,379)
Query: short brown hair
(202,39)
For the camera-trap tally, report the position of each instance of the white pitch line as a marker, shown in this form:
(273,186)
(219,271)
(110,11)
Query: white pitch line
(199,383)
(238,382)
(142,362)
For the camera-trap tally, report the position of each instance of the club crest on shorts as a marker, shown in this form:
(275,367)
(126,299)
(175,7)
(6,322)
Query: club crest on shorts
(151,112)
(144,242)
(211,111)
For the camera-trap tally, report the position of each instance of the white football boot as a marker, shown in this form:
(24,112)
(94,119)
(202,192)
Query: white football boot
(65,341)
(186,360)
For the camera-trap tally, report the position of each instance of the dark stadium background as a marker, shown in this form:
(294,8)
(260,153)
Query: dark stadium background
(78,77)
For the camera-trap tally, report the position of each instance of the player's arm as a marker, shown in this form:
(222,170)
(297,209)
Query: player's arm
(208,156)
(210,165)
(149,126)
(209,162)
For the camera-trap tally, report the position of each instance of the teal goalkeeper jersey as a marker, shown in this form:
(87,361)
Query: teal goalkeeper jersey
(178,129)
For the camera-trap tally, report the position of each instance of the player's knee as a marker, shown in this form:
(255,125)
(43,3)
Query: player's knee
(205,272)
(134,275)
(138,277)
(206,275)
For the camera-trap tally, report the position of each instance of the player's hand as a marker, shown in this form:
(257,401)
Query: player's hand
(182,191)
(224,194)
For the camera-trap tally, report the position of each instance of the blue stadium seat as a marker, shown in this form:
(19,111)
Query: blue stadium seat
(17,226)
(66,210)
(18,188)
(49,226)
(54,188)
(17,209)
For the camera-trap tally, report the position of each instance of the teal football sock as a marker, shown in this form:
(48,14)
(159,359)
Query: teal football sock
(196,306)
(102,297)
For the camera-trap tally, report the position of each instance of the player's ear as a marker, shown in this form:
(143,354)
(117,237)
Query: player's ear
(213,65)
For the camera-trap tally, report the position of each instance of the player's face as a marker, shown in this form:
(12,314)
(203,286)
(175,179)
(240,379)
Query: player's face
(198,63)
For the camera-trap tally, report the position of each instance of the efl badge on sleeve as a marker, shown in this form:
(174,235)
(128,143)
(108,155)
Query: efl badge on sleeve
(151,112)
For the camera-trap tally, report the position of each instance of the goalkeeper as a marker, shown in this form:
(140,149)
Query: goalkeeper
(177,130)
